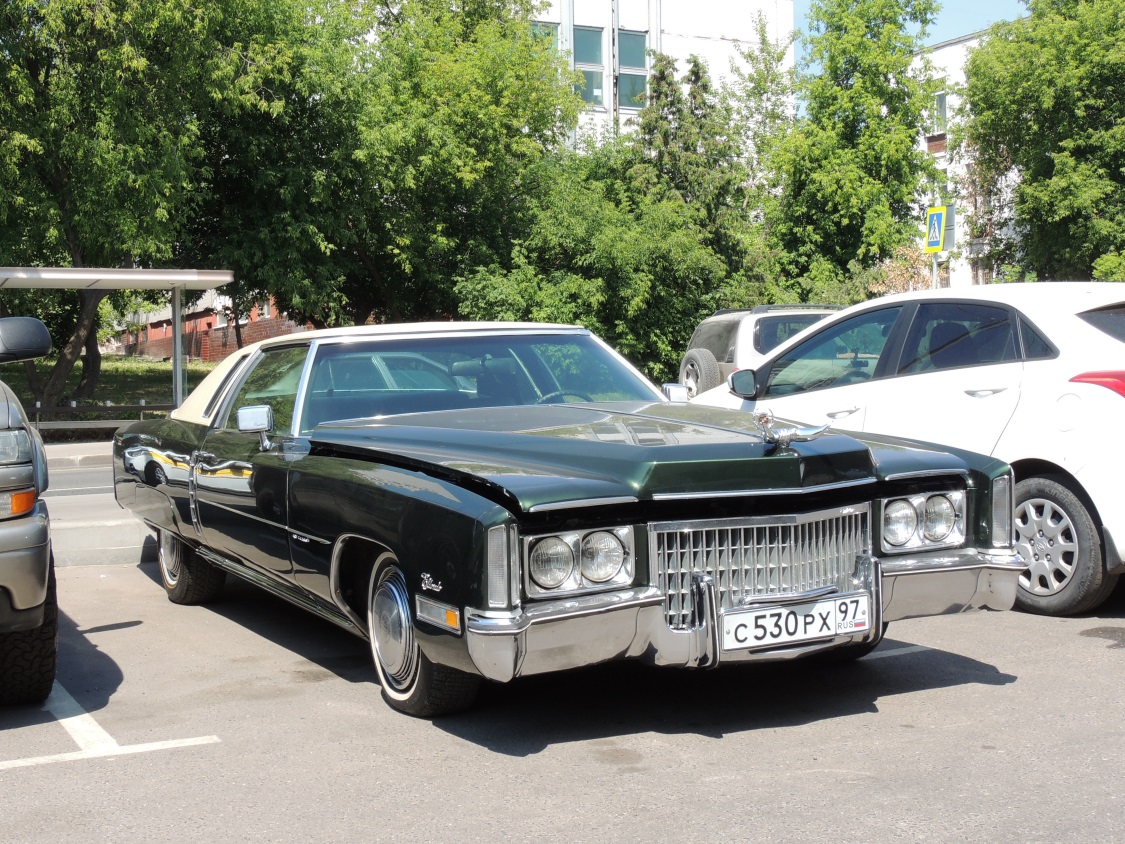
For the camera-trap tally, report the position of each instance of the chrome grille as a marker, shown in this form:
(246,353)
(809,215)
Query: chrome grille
(772,555)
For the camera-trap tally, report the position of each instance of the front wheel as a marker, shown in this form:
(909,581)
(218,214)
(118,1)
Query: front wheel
(28,657)
(188,578)
(1059,541)
(411,682)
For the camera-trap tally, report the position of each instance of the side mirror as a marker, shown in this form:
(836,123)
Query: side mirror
(23,338)
(744,383)
(676,392)
(256,419)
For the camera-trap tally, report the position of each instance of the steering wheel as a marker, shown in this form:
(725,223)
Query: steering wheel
(558,394)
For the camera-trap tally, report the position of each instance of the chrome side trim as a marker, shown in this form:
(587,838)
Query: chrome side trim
(584,502)
(932,473)
(744,493)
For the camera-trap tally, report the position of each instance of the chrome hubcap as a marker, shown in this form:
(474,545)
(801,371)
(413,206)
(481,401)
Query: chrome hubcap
(392,634)
(169,557)
(1047,541)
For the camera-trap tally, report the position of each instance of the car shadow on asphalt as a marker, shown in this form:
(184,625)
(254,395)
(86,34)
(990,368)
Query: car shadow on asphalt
(308,636)
(529,715)
(87,673)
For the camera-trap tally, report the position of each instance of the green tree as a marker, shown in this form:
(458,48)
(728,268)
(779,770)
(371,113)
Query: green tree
(639,236)
(1043,107)
(851,169)
(102,104)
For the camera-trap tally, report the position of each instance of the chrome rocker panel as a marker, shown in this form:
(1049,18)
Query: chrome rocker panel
(631,624)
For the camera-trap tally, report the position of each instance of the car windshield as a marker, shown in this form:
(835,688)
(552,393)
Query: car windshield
(407,375)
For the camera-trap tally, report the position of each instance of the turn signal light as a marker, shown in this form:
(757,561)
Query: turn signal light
(17,503)
(1113,380)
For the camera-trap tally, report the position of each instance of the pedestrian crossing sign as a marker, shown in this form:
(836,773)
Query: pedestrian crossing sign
(935,228)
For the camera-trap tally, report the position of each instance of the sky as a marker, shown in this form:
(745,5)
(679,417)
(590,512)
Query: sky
(954,19)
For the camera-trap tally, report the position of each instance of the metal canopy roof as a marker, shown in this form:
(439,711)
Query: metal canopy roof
(95,278)
(90,278)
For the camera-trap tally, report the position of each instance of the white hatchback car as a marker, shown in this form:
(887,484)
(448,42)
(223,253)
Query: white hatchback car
(1033,374)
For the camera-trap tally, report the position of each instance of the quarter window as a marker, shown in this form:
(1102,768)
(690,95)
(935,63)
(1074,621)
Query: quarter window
(845,353)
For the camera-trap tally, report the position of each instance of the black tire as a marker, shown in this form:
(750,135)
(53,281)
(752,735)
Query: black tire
(187,577)
(1058,539)
(699,372)
(411,683)
(28,658)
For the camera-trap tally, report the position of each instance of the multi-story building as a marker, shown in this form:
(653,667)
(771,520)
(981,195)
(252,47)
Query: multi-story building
(609,43)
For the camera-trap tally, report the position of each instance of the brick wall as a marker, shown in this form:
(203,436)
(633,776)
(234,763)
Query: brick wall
(212,344)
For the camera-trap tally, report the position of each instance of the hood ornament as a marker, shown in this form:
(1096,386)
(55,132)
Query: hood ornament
(781,437)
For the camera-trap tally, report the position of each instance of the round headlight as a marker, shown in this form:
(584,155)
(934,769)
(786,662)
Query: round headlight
(602,556)
(900,521)
(940,518)
(551,563)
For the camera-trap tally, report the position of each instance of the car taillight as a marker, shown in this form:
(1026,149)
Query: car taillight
(1113,380)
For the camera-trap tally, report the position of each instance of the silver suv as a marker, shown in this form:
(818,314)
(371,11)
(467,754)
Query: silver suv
(738,338)
(28,605)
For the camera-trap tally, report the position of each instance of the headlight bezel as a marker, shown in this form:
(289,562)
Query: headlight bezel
(579,581)
(918,540)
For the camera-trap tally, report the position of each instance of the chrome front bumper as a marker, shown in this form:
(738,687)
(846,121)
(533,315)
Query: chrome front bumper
(631,624)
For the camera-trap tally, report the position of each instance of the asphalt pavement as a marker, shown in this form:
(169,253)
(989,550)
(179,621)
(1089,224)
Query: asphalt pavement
(91,528)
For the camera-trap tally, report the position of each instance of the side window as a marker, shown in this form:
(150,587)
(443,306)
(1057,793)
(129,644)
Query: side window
(273,381)
(948,335)
(1034,346)
(841,354)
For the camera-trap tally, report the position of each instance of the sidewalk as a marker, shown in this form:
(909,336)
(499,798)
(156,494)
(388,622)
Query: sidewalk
(79,455)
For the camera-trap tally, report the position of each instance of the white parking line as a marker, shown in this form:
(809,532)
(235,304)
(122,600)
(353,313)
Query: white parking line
(909,649)
(92,740)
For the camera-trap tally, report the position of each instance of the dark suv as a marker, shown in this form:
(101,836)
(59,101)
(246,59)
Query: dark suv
(28,605)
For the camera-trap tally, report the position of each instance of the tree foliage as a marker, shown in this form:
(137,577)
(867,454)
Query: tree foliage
(851,169)
(102,109)
(1043,103)
(639,236)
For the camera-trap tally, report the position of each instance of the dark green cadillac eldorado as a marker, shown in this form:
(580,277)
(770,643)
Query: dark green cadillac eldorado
(494,500)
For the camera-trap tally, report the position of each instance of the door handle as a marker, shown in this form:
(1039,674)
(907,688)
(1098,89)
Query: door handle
(840,414)
(985,393)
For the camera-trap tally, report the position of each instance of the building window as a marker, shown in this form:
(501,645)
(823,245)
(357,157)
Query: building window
(264,309)
(938,119)
(588,62)
(632,75)
(549,31)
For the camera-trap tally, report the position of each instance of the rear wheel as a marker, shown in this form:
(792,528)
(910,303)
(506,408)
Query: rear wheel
(28,657)
(699,372)
(1059,541)
(188,578)
(411,682)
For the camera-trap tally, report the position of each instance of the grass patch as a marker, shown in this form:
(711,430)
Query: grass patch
(122,381)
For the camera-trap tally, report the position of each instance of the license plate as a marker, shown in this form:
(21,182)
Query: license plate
(781,625)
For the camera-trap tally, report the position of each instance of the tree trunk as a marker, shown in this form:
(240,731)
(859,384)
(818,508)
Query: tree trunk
(91,367)
(55,387)
(237,326)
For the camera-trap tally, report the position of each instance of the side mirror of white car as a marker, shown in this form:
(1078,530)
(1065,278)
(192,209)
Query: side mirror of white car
(744,383)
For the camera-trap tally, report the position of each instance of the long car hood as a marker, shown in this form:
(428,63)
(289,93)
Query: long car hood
(542,457)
